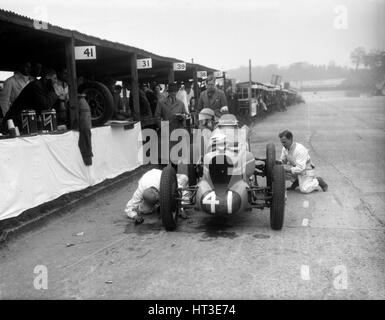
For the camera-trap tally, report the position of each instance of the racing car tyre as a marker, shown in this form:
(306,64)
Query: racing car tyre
(100,101)
(167,194)
(192,174)
(277,209)
(270,163)
(191,168)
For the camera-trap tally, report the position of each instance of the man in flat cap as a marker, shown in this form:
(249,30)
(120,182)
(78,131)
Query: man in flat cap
(213,98)
(172,110)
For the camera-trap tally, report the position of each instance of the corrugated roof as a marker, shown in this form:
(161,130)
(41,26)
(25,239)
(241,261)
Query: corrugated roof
(25,21)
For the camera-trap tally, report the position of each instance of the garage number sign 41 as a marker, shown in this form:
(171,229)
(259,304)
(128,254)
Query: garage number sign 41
(85,53)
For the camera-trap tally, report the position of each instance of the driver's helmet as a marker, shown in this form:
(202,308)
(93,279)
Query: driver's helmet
(206,114)
(150,200)
(206,118)
(228,120)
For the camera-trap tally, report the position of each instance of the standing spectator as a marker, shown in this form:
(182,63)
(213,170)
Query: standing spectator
(36,71)
(189,94)
(61,89)
(164,93)
(232,100)
(213,98)
(171,109)
(158,92)
(262,106)
(282,101)
(14,85)
(61,85)
(144,105)
(151,96)
(118,103)
(182,96)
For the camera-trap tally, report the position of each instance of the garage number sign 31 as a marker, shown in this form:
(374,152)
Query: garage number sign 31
(144,63)
(85,53)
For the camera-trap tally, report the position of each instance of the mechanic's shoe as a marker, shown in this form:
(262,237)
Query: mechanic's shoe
(294,185)
(322,184)
(139,219)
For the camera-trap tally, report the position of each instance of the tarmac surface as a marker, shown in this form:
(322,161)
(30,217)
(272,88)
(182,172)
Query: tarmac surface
(332,245)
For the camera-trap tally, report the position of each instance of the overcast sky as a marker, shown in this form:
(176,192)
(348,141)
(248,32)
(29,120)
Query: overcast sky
(224,34)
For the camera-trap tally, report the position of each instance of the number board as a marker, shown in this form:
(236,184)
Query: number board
(144,63)
(179,66)
(202,74)
(218,74)
(85,52)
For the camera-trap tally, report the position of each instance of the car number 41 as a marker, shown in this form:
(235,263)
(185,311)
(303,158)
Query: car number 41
(211,200)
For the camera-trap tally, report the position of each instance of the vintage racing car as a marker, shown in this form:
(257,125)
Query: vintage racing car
(226,179)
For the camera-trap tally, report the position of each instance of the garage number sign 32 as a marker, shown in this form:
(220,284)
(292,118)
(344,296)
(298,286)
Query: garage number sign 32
(85,53)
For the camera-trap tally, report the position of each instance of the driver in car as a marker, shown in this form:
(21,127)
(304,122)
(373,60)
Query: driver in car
(145,199)
(206,119)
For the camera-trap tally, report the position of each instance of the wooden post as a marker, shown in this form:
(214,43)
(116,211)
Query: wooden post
(135,84)
(171,77)
(72,83)
(250,93)
(125,100)
(224,81)
(196,89)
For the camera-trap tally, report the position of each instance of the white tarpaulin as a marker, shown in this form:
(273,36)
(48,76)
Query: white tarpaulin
(37,169)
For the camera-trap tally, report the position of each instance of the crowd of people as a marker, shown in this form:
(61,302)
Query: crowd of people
(152,96)
(37,88)
(34,87)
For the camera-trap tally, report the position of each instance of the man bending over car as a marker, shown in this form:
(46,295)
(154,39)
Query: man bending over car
(146,196)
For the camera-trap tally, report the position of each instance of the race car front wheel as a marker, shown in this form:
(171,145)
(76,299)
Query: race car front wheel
(277,209)
(168,192)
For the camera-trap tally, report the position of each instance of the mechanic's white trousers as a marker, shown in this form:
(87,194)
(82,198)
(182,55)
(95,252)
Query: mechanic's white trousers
(307,181)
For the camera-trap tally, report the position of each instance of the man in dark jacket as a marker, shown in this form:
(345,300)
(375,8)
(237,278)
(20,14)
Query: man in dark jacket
(172,110)
(38,95)
(213,98)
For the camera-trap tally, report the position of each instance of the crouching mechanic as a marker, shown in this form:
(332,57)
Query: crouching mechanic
(298,166)
(146,196)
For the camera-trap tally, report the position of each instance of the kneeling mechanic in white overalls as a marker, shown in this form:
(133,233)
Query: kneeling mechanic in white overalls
(298,166)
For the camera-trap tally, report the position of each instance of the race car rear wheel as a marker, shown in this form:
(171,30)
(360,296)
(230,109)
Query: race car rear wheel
(277,209)
(270,163)
(168,193)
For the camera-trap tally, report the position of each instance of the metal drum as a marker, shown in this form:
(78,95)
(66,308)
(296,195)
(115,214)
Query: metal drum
(49,122)
(28,122)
